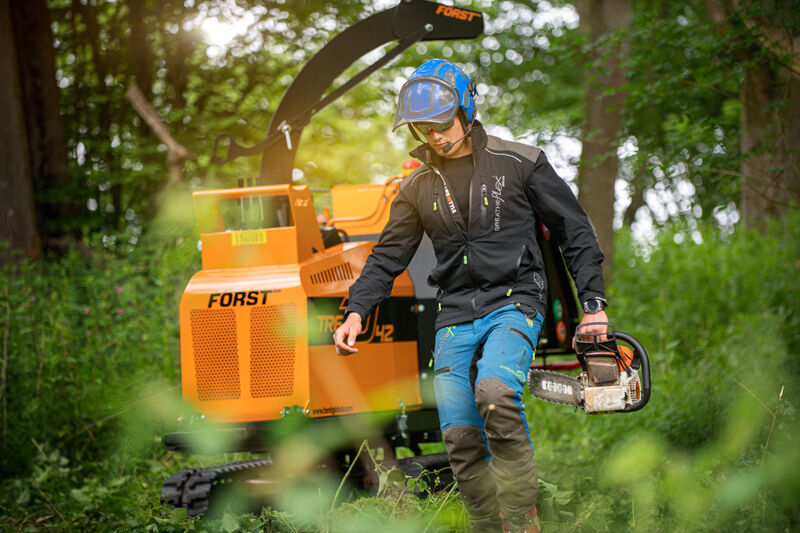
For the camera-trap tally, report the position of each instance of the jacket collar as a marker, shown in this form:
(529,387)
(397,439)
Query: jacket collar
(425,153)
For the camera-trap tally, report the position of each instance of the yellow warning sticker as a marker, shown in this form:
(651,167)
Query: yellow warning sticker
(243,238)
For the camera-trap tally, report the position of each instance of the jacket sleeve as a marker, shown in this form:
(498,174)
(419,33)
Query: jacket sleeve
(390,256)
(557,207)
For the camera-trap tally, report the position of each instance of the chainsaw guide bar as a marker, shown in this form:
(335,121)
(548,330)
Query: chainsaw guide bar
(555,387)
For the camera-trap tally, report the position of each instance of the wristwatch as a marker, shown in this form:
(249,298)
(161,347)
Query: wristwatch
(594,305)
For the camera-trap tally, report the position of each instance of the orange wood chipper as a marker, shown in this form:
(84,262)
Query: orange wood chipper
(256,323)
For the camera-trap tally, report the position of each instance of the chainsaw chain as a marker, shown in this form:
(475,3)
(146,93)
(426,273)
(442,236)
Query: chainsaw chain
(550,373)
(192,488)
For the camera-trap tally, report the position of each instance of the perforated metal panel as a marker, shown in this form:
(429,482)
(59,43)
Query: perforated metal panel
(272,350)
(216,357)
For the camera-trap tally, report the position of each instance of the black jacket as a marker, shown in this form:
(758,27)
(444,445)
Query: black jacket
(493,260)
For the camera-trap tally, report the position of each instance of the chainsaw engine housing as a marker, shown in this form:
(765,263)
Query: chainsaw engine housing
(610,380)
(618,392)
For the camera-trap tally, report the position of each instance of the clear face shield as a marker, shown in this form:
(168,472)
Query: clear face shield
(426,100)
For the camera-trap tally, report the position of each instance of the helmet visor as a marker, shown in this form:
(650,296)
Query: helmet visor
(426,99)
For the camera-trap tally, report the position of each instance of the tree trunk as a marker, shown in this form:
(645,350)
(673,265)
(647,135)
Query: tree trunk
(17,208)
(770,140)
(47,150)
(141,66)
(605,99)
(140,57)
(769,136)
(637,195)
(104,111)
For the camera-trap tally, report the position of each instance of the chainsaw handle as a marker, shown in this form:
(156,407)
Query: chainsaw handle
(640,351)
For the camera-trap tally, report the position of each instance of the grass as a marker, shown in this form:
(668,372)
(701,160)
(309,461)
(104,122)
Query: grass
(89,358)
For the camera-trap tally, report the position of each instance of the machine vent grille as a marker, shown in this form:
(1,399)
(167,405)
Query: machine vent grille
(339,272)
(272,350)
(216,356)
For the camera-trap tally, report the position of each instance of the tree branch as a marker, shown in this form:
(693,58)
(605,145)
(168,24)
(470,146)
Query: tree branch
(176,152)
(772,40)
(785,48)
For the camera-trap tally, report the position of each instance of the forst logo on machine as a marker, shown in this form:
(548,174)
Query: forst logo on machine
(243,298)
(455,13)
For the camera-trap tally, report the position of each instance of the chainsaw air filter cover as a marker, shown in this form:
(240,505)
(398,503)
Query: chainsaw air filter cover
(602,369)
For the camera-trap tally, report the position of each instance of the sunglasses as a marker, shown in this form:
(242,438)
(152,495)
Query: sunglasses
(427,128)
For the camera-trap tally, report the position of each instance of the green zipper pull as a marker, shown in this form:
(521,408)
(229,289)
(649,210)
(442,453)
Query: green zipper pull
(440,306)
(485,201)
(508,293)
(434,206)
(465,259)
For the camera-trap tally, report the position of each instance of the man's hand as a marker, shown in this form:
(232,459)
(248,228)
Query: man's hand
(345,336)
(599,316)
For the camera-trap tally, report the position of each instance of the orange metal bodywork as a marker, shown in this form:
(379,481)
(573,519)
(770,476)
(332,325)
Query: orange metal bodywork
(363,209)
(246,320)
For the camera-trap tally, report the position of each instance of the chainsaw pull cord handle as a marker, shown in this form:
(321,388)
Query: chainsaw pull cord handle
(638,350)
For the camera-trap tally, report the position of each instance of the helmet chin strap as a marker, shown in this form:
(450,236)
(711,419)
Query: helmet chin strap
(414,133)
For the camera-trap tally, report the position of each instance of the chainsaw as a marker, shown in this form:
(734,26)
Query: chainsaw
(614,377)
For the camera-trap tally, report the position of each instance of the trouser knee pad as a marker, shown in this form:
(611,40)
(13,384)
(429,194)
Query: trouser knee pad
(504,424)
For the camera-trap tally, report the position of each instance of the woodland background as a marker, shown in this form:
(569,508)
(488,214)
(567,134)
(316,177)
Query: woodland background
(676,123)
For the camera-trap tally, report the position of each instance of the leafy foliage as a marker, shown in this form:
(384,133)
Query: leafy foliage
(84,332)
(721,337)
(711,451)
(530,67)
(200,90)
(694,138)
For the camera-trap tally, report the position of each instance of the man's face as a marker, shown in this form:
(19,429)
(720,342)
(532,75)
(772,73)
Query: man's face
(440,135)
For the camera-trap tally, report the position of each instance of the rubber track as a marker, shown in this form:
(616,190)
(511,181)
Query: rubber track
(192,488)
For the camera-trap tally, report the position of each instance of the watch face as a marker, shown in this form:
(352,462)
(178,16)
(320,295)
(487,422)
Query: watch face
(591,306)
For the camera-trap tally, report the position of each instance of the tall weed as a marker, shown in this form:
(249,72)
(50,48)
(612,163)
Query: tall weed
(84,333)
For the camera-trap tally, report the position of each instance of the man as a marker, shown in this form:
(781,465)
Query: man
(479,199)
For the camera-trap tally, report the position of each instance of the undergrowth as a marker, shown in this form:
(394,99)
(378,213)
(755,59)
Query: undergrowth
(90,363)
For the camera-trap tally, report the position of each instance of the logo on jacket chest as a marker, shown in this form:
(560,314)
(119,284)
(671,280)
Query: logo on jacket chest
(497,194)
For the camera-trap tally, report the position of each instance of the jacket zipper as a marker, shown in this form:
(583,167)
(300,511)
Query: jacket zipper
(440,208)
(461,234)
(446,207)
(519,262)
(466,252)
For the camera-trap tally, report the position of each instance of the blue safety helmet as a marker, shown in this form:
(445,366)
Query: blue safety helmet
(434,93)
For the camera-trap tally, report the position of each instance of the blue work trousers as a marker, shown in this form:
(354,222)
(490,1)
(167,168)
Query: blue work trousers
(480,372)
(499,345)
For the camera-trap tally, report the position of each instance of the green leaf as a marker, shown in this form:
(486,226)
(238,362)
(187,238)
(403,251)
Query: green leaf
(24,496)
(229,522)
